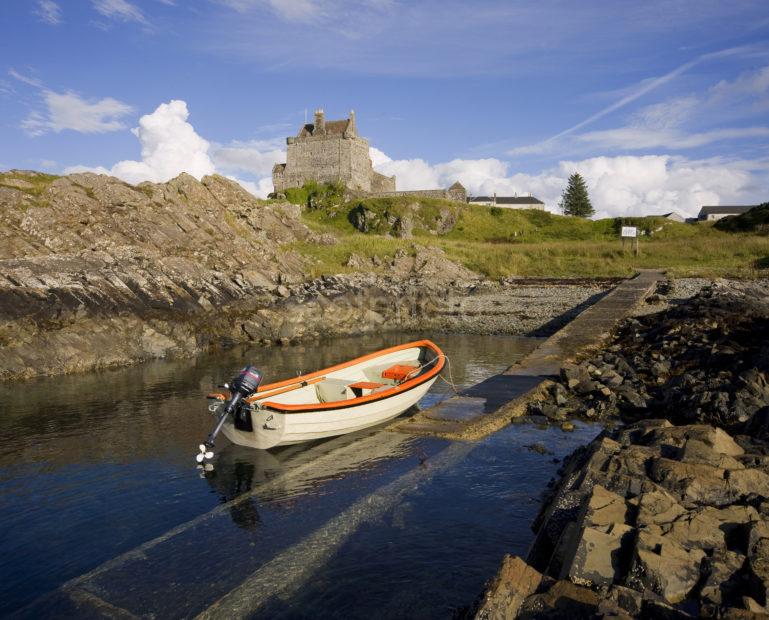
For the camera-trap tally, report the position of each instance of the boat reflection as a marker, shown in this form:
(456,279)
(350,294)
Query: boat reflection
(244,477)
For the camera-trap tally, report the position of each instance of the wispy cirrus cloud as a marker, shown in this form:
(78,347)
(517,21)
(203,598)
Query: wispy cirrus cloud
(644,88)
(641,138)
(120,10)
(49,12)
(29,80)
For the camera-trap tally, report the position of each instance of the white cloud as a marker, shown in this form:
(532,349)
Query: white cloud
(49,12)
(378,158)
(627,185)
(256,157)
(119,9)
(169,146)
(69,111)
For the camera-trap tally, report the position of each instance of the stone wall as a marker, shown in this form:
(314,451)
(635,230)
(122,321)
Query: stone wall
(444,194)
(381,183)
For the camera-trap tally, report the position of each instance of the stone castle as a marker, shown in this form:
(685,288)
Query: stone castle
(327,151)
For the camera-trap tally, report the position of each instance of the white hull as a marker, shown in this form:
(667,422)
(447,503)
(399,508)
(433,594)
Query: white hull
(273,428)
(338,400)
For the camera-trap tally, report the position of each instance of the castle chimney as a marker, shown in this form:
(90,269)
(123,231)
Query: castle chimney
(351,127)
(495,197)
(320,122)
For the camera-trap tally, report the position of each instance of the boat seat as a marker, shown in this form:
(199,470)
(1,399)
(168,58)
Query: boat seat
(364,388)
(332,390)
(400,372)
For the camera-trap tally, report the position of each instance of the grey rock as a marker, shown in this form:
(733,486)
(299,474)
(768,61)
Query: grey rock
(514,581)
(665,567)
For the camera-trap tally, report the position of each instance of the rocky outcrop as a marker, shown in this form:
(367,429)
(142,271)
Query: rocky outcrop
(656,520)
(651,519)
(400,216)
(706,360)
(96,273)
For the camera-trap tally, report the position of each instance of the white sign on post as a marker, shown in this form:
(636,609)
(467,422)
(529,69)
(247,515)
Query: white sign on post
(629,231)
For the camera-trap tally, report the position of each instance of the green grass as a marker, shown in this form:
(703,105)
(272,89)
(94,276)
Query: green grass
(331,259)
(744,256)
(39,182)
(499,242)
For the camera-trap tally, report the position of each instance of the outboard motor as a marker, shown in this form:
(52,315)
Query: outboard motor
(241,387)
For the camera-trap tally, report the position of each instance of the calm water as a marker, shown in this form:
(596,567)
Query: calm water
(103,507)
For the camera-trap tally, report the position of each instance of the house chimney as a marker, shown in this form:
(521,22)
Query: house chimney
(320,122)
(351,127)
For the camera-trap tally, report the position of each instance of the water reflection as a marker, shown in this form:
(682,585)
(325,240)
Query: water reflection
(95,465)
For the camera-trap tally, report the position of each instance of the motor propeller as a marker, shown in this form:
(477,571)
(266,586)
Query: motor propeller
(241,387)
(205,454)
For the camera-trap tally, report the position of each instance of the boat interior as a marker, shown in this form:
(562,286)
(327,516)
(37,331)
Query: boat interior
(359,379)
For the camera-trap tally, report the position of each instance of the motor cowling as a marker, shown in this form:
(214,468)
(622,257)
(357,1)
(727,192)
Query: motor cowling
(244,385)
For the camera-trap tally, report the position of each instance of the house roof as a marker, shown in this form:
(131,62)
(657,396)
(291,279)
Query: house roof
(508,200)
(728,210)
(333,128)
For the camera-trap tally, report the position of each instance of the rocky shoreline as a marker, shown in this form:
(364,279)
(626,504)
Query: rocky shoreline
(95,273)
(73,326)
(654,519)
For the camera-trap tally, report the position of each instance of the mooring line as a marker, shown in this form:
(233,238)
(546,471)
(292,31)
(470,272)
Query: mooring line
(287,572)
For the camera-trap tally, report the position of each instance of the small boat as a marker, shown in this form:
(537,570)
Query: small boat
(334,401)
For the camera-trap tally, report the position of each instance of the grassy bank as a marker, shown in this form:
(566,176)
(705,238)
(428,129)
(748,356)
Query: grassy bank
(501,243)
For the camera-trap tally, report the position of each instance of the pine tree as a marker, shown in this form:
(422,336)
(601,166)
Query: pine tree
(574,200)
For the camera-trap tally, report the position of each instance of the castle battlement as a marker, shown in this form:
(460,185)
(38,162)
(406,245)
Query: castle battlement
(328,151)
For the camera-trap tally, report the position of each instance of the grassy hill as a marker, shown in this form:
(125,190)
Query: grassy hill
(501,242)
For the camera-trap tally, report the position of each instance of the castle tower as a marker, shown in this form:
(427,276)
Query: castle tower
(328,151)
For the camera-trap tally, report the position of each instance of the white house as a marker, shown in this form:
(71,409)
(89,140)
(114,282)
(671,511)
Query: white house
(508,202)
(711,214)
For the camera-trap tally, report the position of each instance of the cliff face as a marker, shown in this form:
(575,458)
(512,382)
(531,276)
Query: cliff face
(95,272)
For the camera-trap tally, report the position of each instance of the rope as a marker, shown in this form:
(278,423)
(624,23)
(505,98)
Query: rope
(450,380)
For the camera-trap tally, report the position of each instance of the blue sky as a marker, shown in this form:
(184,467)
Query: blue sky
(660,105)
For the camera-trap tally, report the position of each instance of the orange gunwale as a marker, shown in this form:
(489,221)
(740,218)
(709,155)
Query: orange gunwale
(352,402)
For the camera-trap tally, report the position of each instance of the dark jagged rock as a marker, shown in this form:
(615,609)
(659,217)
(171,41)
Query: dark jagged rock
(706,360)
(658,521)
